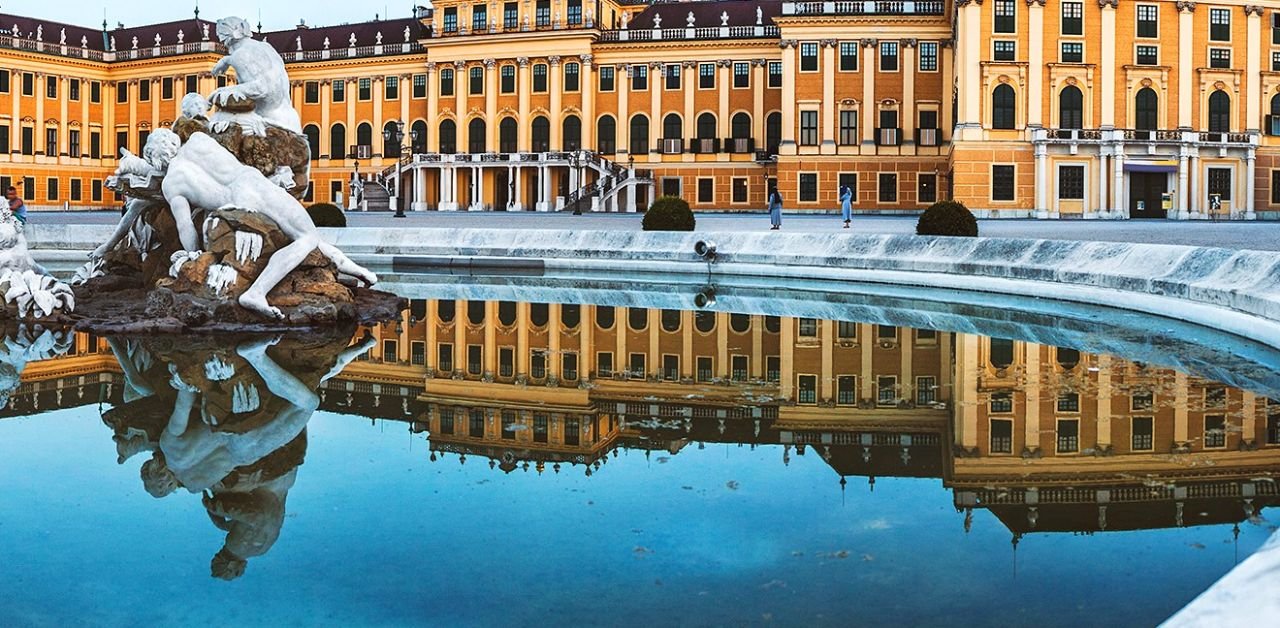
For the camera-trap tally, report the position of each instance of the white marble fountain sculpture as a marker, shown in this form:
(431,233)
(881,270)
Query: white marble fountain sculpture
(27,286)
(202,174)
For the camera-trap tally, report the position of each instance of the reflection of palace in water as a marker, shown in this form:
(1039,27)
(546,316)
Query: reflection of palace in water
(1046,438)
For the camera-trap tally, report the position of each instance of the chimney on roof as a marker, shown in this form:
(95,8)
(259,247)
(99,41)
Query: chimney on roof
(302,25)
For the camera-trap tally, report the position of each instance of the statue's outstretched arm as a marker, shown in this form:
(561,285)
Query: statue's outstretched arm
(280,382)
(134,209)
(132,377)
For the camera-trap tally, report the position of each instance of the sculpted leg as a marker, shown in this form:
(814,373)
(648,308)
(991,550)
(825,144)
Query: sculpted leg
(280,264)
(346,266)
(181,209)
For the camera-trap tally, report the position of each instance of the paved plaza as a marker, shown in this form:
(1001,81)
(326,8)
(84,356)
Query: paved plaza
(1261,235)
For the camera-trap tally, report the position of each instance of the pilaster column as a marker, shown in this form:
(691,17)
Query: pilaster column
(15,135)
(1104,175)
(1104,403)
(870,65)
(1186,11)
(432,114)
(1042,179)
(690,84)
(1253,71)
(556,86)
(788,143)
(491,105)
(404,91)
(378,97)
(1183,177)
(908,120)
(829,104)
(724,81)
(947,52)
(1250,165)
(132,131)
(524,142)
(966,391)
(656,72)
(64,129)
(461,84)
(622,83)
(587,89)
(351,95)
(759,80)
(1108,65)
(1034,399)
(1193,207)
(969,81)
(786,350)
(1035,67)
(1119,205)
(826,378)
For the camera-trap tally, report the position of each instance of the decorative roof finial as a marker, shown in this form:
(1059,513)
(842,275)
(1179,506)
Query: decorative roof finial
(197,9)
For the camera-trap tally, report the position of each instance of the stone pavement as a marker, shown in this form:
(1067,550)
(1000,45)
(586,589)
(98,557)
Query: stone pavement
(1237,235)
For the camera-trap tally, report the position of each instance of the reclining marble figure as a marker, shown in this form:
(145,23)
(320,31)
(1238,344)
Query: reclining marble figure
(204,174)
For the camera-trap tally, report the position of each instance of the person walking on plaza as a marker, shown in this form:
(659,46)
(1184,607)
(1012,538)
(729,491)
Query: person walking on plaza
(775,209)
(16,206)
(846,204)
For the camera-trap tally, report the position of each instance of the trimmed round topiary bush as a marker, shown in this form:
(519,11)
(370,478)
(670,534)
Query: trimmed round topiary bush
(947,218)
(669,213)
(327,215)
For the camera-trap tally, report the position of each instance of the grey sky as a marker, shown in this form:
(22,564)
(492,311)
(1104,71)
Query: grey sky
(276,15)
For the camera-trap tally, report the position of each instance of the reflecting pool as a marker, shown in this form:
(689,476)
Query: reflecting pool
(491,462)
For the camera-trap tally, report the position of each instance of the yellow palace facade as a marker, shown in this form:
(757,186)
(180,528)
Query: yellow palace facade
(1018,108)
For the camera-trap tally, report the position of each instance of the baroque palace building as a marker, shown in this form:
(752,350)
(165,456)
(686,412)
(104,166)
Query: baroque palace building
(1062,108)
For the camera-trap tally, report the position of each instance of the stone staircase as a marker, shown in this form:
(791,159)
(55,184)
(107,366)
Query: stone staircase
(377,197)
(613,179)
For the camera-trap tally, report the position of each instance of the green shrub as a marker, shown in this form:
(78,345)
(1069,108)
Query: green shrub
(669,213)
(327,215)
(947,218)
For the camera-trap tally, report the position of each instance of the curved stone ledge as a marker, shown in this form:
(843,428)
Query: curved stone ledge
(1147,277)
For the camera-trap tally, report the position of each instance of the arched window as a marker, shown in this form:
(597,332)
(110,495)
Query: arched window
(740,323)
(671,321)
(772,325)
(639,134)
(1219,112)
(1068,358)
(572,133)
(570,315)
(541,128)
(1273,120)
(475,312)
(1145,112)
(1004,107)
(707,126)
(338,141)
(313,139)
(364,135)
(637,318)
(672,127)
(448,137)
(607,135)
(476,136)
(1070,108)
(507,313)
(773,132)
(1001,355)
(508,135)
(446,310)
(704,321)
(740,126)
(604,316)
(418,136)
(539,314)
(390,147)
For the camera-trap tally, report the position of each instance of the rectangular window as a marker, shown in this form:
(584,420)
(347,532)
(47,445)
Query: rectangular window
(364,89)
(475,359)
(604,364)
(95,190)
(311,92)
(1220,24)
(540,78)
(541,427)
(507,79)
(444,357)
(1001,403)
(391,88)
(741,75)
(1068,436)
(772,368)
(926,391)
(339,90)
(76,190)
(607,78)
(542,13)
(538,364)
(671,368)
(1005,15)
(807,327)
(1072,18)
(1147,55)
(571,77)
(451,19)
(846,390)
(847,330)
(418,353)
(848,127)
(672,77)
(419,85)
(390,351)
(1275,60)
(808,127)
(849,56)
(928,56)
(95,144)
(73,89)
(4,84)
(1004,50)
(479,18)
(1069,402)
(809,57)
(886,391)
(52,188)
(1220,183)
(739,364)
(446,83)
(95,90)
(807,389)
(510,16)
(1143,438)
(1001,436)
(29,140)
(1273,427)
(569,367)
(1215,432)
(808,187)
(888,56)
(193,83)
(122,92)
(706,76)
(1002,183)
(1071,183)
(888,188)
(1072,52)
(1148,20)
(704,371)
(446,421)
(1275,176)
(51,142)
(29,84)
(706,191)
(636,365)
(1275,28)
(506,362)
(51,87)
(475,79)
(1220,58)
(573,12)
(775,74)
(739,186)
(475,423)
(509,424)
(166,88)
(144,90)
(927,188)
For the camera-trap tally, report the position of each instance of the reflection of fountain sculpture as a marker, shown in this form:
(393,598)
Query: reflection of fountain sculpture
(214,234)
(225,422)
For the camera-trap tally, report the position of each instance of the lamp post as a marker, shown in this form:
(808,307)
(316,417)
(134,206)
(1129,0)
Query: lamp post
(394,136)
(575,162)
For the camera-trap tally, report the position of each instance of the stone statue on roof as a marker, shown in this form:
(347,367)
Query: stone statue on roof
(657,22)
(62,37)
(759,16)
(378,38)
(40,33)
(181,36)
(17,32)
(135,42)
(326,43)
(157,40)
(690,20)
(352,40)
(205,28)
(724,18)
(298,41)
(626,19)
(84,41)
(113,43)
(407,35)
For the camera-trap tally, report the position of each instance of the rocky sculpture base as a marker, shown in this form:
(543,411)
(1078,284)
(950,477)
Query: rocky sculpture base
(168,289)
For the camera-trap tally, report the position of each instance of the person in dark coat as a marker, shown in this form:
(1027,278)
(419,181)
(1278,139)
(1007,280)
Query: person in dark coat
(775,209)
